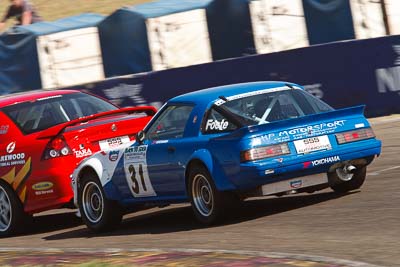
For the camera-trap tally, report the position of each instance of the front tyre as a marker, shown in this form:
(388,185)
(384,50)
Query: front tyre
(208,203)
(98,213)
(343,183)
(12,215)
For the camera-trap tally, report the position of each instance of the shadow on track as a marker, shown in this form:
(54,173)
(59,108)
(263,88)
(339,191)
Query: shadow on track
(177,219)
(50,222)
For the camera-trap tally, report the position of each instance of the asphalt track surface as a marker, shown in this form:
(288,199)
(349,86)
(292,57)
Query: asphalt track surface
(361,228)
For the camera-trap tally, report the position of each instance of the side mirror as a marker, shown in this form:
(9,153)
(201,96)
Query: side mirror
(140,137)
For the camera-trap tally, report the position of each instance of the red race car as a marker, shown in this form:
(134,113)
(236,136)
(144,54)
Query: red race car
(43,136)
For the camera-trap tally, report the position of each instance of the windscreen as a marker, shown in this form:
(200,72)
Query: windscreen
(46,112)
(274,105)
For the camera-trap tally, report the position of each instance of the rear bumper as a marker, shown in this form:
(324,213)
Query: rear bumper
(255,174)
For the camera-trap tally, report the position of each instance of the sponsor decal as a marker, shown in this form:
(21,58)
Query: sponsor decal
(44,192)
(322,161)
(113,143)
(217,125)
(316,129)
(113,155)
(42,186)
(4,129)
(135,152)
(312,144)
(325,160)
(220,102)
(359,125)
(10,147)
(302,132)
(160,142)
(12,159)
(82,153)
(270,171)
(296,183)
(136,173)
(306,164)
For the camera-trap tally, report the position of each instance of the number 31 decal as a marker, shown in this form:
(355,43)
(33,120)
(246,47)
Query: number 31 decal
(136,172)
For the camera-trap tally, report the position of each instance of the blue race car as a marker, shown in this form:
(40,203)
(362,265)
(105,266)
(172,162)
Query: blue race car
(217,146)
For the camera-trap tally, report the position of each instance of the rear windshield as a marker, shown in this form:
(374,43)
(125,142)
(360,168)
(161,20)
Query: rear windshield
(47,112)
(265,107)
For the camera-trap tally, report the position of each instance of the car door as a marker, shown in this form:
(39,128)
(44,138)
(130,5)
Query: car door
(16,157)
(168,149)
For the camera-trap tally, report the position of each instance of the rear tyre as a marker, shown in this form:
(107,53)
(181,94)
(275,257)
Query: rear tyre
(98,213)
(209,205)
(354,182)
(12,215)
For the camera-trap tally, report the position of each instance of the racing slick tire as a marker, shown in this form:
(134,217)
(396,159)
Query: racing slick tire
(98,213)
(340,186)
(12,215)
(209,205)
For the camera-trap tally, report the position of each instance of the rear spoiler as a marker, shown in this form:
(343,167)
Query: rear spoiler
(57,129)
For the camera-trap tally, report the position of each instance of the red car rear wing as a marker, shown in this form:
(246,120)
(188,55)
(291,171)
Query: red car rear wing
(56,130)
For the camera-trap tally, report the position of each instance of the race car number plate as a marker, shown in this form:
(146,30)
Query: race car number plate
(113,142)
(312,144)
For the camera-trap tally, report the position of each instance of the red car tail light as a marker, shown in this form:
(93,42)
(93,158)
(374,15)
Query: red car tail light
(353,136)
(57,147)
(265,152)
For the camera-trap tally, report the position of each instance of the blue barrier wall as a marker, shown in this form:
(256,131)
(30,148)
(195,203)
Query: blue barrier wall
(342,74)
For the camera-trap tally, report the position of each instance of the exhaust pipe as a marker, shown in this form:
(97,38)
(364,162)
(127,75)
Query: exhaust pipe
(350,169)
(346,173)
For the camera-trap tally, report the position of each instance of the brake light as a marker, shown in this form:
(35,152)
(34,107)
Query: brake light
(353,136)
(57,147)
(264,152)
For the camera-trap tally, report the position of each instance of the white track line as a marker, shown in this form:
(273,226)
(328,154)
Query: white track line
(387,169)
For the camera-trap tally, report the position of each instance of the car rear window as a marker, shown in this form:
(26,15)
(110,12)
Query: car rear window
(34,116)
(259,108)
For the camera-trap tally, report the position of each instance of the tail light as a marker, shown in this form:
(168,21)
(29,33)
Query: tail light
(264,152)
(57,147)
(353,136)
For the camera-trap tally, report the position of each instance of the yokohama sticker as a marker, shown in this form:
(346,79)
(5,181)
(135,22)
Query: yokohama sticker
(322,161)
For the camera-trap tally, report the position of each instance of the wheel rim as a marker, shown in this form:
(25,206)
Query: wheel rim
(5,211)
(202,195)
(344,176)
(92,202)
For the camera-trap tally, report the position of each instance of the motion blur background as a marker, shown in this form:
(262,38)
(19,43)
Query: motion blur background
(138,52)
